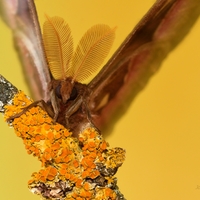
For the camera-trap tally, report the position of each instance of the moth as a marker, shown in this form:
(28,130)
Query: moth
(125,74)
(68,69)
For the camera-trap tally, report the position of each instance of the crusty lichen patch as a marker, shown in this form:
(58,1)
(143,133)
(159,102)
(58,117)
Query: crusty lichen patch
(72,168)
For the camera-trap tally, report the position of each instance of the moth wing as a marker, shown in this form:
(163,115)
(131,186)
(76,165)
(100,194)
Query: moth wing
(138,58)
(21,17)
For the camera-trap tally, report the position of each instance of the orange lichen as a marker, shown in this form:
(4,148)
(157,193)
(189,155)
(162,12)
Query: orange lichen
(72,168)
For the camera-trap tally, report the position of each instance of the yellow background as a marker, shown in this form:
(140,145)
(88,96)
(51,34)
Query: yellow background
(161,130)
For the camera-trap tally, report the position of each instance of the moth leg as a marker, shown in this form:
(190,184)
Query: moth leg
(40,103)
(76,105)
(87,111)
(55,105)
(88,114)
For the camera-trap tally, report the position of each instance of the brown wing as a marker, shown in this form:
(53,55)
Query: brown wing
(21,17)
(139,57)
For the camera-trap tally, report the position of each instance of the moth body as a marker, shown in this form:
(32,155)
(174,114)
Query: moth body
(71,100)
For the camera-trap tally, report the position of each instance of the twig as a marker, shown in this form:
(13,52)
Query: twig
(72,168)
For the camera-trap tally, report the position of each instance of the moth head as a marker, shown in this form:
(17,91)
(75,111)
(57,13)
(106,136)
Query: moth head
(65,90)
